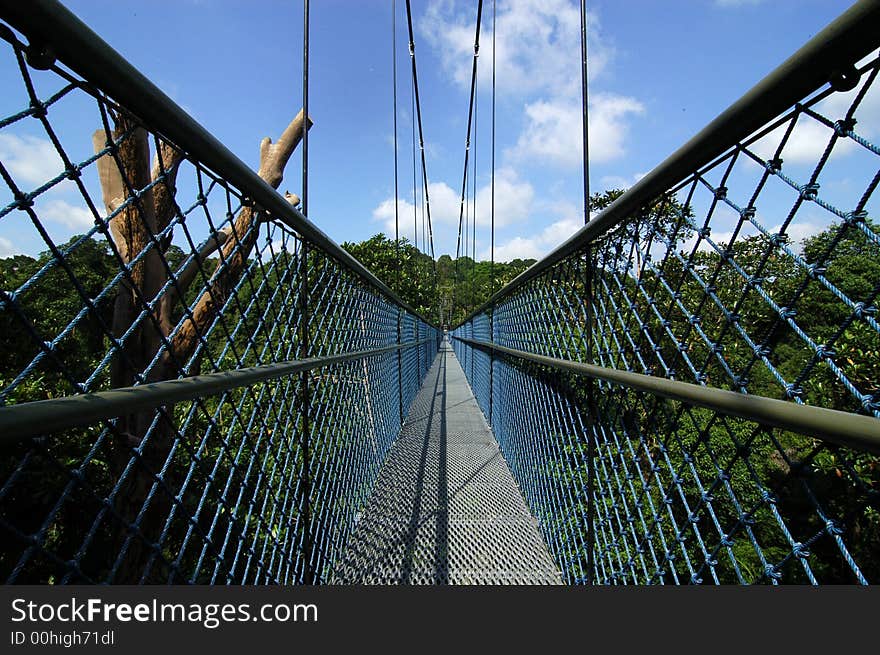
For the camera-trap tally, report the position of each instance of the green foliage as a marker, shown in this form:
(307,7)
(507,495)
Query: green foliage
(459,286)
(52,304)
(733,460)
(406,270)
(730,458)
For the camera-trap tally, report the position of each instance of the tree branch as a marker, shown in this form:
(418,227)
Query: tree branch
(113,190)
(292,198)
(123,173)
(214,242)
(185,278)
(238,244)
(168,159)
(274,157)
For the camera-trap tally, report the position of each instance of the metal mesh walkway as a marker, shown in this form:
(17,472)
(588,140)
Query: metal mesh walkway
(445,508)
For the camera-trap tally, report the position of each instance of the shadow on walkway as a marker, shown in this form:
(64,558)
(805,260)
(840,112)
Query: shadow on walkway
(445,508)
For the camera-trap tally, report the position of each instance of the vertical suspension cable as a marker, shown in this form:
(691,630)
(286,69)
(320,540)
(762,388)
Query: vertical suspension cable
(588,318)
(305,92)
(416,202)
(467,146)
(585,112)
(305,399)
(474,220)
(394,121)
(415,79)
(492,183)
(396,204)
(423,208)
(424,224)
(417,264)
(492,237)
(474,183)
(464,211)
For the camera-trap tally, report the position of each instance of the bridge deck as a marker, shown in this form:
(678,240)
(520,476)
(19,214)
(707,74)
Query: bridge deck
(445,508)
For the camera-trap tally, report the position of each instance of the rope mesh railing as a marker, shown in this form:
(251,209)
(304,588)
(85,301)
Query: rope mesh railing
(120,275)
(759,274)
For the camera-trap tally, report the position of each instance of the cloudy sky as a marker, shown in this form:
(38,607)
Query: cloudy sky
(659,71)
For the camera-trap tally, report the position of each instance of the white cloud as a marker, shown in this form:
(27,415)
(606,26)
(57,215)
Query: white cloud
(385,213)
(619,181)
(513,204)
(518,248)
(553,132)
(31,161)
(537,245)
(796,232)
(445,205)
(513,199)
(537,46)
(8,249)
(535,41)
(62,212)
(538,70)
(805,145)
(809,138)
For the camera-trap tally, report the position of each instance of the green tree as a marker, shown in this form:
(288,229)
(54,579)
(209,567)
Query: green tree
(405,269)
(460,285)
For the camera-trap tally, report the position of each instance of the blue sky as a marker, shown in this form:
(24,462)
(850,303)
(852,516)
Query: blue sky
(659,72)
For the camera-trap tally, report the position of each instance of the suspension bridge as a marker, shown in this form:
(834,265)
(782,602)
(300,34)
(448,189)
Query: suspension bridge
(204,388)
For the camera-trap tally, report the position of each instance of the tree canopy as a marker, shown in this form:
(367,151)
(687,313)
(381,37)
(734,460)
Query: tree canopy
(445,293)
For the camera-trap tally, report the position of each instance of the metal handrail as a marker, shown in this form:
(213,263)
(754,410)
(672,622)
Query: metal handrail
(841,428)
(41,417)
(827,57)
(78,47)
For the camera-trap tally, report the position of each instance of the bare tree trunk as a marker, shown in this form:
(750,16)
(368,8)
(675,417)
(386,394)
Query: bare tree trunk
(143,317)
(136,230)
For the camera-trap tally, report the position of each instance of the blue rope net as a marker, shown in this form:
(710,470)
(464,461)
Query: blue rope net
(179,275)
(759,274)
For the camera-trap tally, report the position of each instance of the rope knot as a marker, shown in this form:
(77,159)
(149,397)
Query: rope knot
(800,551)
(833,528)
(810,191)
(844,126)
(861,310)
(774,165)
(793,391)
(853,218)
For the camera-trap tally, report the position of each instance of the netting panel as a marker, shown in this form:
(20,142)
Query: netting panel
(758,274)
(127,261)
